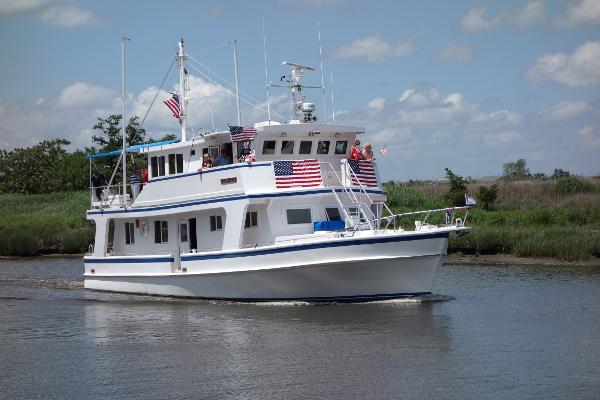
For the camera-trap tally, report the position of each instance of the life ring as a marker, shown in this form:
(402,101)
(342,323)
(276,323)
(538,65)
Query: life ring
(144,228)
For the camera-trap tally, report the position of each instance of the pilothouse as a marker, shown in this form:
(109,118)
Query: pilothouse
(280,212)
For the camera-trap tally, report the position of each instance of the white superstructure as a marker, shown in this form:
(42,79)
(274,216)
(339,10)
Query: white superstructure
(237,232)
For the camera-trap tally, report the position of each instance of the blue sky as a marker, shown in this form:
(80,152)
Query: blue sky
(462,84)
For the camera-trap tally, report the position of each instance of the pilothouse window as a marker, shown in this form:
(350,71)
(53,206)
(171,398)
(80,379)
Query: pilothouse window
(323,147)
(175,164)
(216,223)
(305,147)
(287,147)
(157,166)
(269,147)
(341,147)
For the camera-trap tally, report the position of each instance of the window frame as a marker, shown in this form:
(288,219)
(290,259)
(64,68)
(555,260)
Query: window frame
(338,213)
(328,147)
(129,233)
(183,232)
(287,216)
(282,142)
(263,147)
(311,142)
(161,232)
(216,223)
(251,220)
(335,149)
(179,163)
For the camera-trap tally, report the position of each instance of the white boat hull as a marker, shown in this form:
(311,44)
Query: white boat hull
(356,268)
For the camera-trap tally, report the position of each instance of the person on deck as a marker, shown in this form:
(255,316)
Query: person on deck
(357,151)
(367,153)
(145,175)
(134,179)
(206,161)
(223,159)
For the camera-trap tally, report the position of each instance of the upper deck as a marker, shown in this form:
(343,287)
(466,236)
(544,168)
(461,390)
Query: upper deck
(175,172)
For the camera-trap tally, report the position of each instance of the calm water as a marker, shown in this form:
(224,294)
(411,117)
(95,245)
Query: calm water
(488,332)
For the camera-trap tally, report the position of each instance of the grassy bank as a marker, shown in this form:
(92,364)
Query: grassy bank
(44,224)
(529,219)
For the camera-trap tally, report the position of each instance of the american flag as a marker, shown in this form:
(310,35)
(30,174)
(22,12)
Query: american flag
(241,134)
(173,104)
(300,173)
(364,173)
(383,150)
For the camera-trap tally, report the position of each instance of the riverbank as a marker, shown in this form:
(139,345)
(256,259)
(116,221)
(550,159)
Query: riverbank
(536,220)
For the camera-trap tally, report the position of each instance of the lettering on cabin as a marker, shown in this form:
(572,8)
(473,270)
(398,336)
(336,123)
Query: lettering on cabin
(228,181)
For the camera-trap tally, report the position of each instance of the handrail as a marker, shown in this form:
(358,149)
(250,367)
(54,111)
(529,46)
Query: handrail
(428,212)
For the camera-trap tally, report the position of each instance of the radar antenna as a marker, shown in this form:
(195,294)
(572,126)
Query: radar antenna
(302,110)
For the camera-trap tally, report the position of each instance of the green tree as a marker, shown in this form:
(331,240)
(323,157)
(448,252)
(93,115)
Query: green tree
(109,137)
(458,188)
(514,171)
(43,168)
(487,196)
(560,173)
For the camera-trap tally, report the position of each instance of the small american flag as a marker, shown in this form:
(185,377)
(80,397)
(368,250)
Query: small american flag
(364,173)
(173,104)
(300,173)
(383,150)
(242,134)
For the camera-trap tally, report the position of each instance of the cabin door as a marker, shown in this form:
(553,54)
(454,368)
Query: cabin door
(183,240)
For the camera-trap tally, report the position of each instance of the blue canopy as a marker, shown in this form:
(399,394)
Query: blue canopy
(130,149)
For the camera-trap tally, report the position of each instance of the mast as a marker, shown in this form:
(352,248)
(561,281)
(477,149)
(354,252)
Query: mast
(182,91)
(237,84)
(124,133)
(266,72)
(322,73)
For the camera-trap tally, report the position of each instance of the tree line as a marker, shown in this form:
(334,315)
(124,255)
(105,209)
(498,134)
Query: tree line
(49,167)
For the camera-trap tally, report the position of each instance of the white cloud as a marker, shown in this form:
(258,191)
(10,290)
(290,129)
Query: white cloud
(61,13)
(475,20)
(582,12)
(455,52)
(565,110)
(18,6)
(373,49)
(72,113)
(376,104)
(67,16)
(589,136)
(581,68)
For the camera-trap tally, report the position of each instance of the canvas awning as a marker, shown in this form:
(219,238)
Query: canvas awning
(130,149)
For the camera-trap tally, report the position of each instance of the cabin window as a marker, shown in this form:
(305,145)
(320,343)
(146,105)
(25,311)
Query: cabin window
(305,147)
(251,219)
(192,152)
(161,232)
(216,223)
(323,147)
(341,147)
(287,147)
(298,216)
(129,233)
(214,152)
(183,233)
(175,164)
(157,165)
(269,147)
(333,214)
(179,162)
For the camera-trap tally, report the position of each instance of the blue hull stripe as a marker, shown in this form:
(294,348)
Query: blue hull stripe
(125,260)
(211,170)
(221,199)
(310,246)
